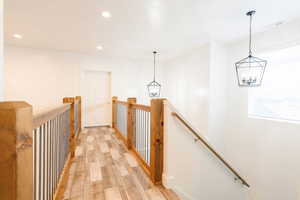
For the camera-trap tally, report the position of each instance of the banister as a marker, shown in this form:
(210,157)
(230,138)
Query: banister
(206,144)
(141,107)
(144,136)
(121,102)
(42,117)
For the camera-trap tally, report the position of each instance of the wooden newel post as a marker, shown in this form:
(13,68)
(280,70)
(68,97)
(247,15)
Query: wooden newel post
(130,122)
(16,157)
(114,112)
(71,101)
(157,140)
(79,112)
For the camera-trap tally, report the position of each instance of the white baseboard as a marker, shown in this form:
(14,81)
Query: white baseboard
(169,182)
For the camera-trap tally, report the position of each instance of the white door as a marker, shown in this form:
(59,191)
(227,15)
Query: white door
(97,98)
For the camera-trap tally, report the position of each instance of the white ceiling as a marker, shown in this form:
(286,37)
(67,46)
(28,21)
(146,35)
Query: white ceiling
(137,26)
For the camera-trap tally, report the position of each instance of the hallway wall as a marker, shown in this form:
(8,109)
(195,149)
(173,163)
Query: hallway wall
(196,85)
(266,151)
(1,53)
(43,77)
(186,85)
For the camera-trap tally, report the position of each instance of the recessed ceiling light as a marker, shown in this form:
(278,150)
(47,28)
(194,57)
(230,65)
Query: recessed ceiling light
(17,36)
(99,48)
(106,14)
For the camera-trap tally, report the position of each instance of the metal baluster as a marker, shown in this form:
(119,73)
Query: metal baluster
(119,117)
(123,120)
(135,127)
(52,158)
(44,161)
(35,162)
(146,130)
(143,146)
(141,133)
(144,135)
(64,141)
(117,122)
(40,163)
(148,139)
(65,137)
(61,153)
(125,124)
(54,154)
(126,110)
(138,131)
(57,153)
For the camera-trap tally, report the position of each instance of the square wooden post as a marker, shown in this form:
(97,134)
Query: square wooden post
(157,140)
(72,141)
(16,151)
(79,112)
(114,112)
(130,121)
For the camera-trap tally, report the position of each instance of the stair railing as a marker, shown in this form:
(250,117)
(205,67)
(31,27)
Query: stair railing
(141,129)
(36,149)
(209,147)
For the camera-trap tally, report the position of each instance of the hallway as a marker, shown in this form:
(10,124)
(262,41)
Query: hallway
(104,169)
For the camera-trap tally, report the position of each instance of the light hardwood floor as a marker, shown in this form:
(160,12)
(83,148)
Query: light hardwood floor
(103,169)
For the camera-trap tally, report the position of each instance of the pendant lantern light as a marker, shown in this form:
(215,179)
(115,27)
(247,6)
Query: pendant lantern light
(154,87)
(250,70)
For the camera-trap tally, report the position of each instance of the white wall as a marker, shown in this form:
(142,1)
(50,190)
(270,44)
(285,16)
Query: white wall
(44,77)
(265,151)
(40,77)
(1,52)
(191,170)
(196,86)
(186,84)
(218,95)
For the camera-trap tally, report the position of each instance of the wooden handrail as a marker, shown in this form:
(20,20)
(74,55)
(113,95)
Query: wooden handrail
(42,117)
(141,107)
(206,144)
(121,102)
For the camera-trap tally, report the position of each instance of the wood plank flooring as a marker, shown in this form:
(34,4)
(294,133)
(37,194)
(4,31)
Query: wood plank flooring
(103,169)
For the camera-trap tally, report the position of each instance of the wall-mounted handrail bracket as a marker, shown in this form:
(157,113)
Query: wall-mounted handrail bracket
(210,148)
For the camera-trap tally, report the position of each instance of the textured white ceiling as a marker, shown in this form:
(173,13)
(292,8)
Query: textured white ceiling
(137,26)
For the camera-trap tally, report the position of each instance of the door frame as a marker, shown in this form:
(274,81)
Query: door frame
(82,92)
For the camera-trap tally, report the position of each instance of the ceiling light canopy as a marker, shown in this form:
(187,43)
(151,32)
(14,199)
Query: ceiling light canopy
(106,14)
(250,70)
(154,87)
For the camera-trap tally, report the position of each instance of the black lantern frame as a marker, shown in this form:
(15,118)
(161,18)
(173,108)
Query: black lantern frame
(250,70)
(154,87)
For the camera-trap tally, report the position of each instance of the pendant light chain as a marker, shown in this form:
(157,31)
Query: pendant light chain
(154,53)
(250,30)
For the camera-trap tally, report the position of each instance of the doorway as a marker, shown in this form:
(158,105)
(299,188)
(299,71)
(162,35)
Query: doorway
(97,98)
